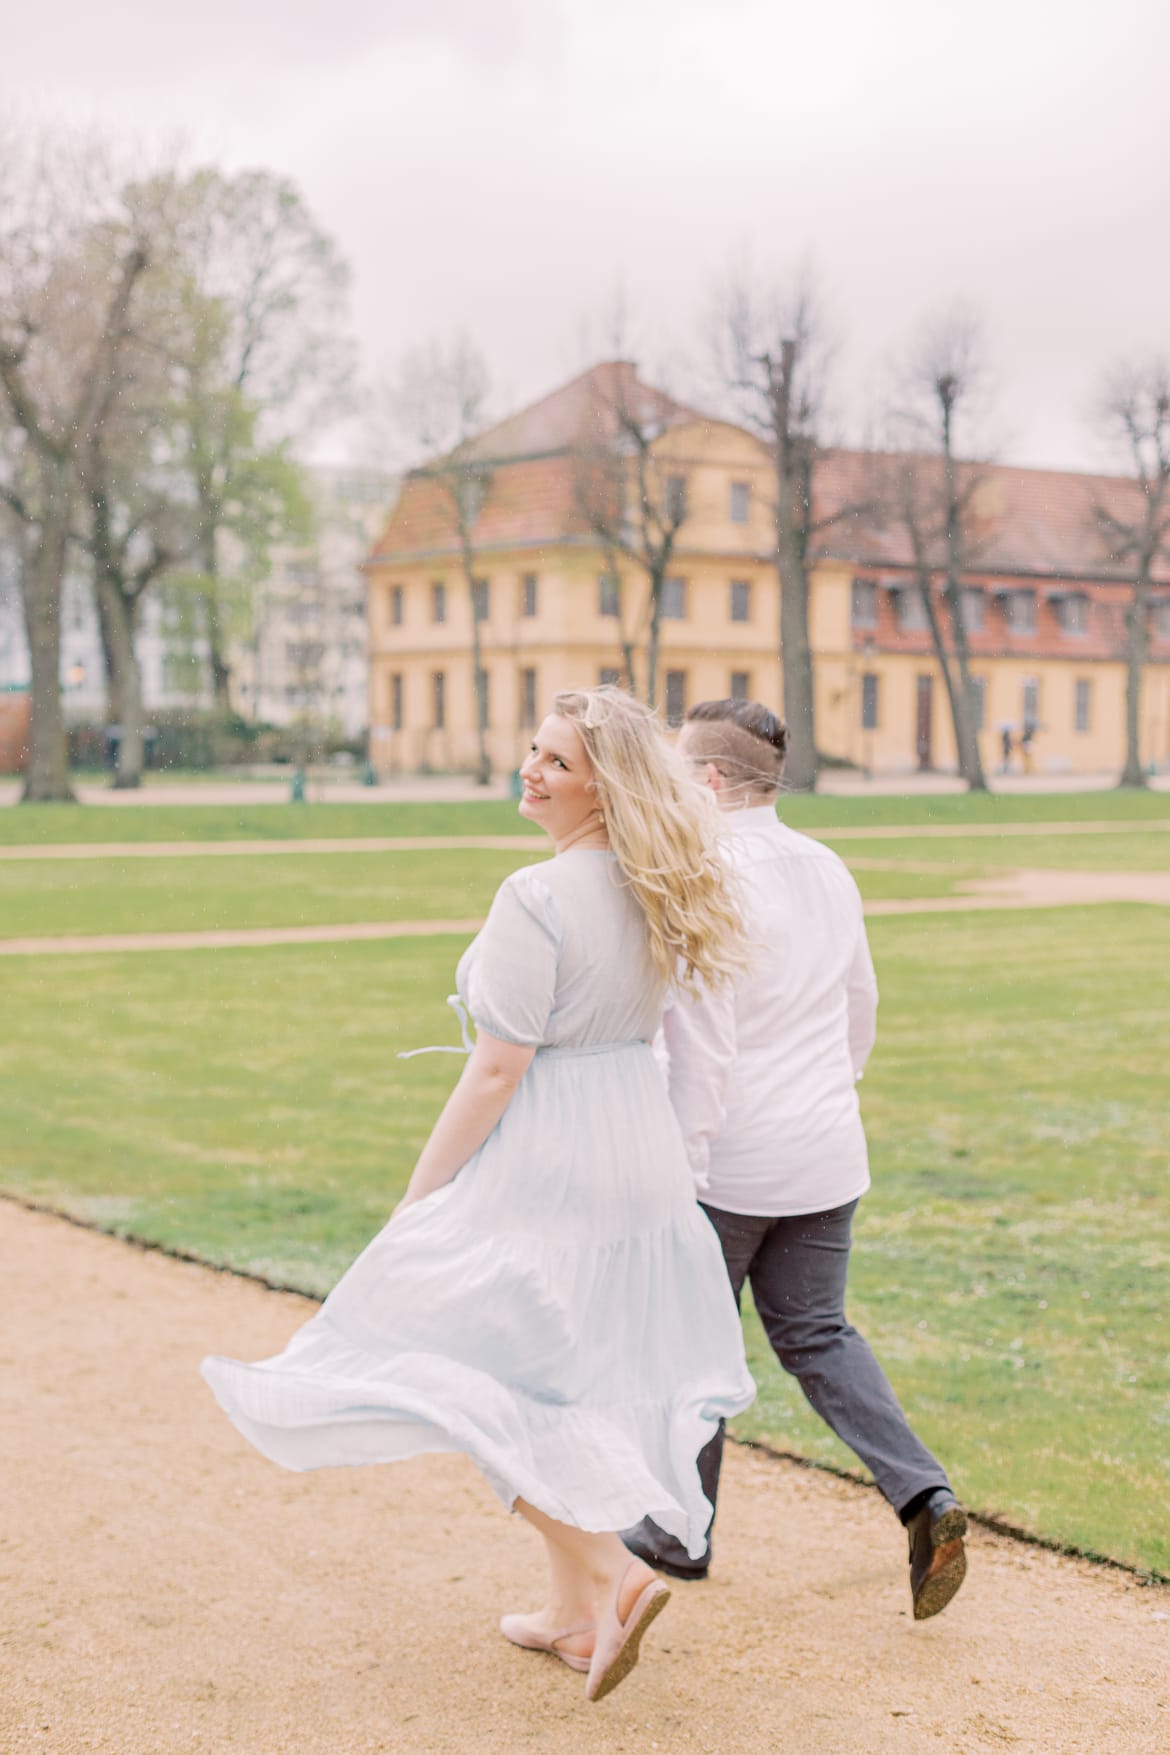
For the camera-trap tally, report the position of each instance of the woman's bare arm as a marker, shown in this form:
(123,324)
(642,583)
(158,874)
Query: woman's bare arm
(486,1087)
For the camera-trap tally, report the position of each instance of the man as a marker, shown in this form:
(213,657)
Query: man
(763,1080)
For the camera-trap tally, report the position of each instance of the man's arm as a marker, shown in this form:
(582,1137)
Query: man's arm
(861,991)
(700,1040)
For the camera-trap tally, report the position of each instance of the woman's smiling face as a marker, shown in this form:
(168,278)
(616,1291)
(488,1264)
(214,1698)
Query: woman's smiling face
(559,791)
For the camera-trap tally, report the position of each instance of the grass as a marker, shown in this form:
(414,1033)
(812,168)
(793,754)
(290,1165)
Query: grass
(189,894)
(25,825)
(247,1106)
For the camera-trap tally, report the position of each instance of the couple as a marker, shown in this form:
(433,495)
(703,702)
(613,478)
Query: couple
(548,1296)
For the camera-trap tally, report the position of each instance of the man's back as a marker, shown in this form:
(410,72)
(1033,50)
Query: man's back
(763,1080)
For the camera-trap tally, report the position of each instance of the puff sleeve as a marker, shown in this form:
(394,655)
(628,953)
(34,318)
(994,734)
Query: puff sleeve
(511,970)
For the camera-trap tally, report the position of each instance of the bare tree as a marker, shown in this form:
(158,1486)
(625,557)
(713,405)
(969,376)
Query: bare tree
(439,401)
(262,356)
(71,266)
(1135,411)
(632,495)
(930,491)
(772,357)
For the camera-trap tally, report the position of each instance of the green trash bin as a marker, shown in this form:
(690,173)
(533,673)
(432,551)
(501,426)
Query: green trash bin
(516,785)
(297,795)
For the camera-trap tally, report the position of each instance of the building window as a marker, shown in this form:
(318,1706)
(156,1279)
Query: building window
(396,606)
(864,607)
(481,599)
(528,594)
(978,701)
(912,617)
(741,600)
(971,599)
(741,500)
(1074,613)
(1161,609)
(439,699)
(609,677)
(676,498)
(1019,612)
(438,601)
(869,701)
(741,685)
(674,600)
(396,701)
(484,694)
(1082,704)
(676,696)
(527,698)
(1030,703)
(609,594)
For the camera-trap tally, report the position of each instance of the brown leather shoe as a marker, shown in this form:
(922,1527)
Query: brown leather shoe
(938,1561)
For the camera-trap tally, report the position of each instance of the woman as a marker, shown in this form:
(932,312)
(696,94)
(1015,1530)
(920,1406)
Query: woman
(548,1296)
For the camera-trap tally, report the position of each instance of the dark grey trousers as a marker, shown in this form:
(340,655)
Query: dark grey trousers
(797,1269)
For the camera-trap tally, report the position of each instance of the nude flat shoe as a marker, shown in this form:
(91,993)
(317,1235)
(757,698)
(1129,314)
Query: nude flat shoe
(519,1629)
(616,1650)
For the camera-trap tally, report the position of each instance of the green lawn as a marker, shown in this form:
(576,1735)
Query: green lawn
(1012,1258)
(55,898)
(1120,851)
(30,824)
(190,894)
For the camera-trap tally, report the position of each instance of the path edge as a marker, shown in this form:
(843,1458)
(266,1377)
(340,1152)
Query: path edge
(1147,1578)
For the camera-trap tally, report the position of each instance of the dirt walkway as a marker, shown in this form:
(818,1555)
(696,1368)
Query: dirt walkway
(165,1590)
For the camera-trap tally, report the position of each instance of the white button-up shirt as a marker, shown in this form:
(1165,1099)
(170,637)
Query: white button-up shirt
(763,1077)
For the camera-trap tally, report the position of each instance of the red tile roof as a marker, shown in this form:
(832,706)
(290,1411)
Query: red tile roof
(532,491)
(1026,521)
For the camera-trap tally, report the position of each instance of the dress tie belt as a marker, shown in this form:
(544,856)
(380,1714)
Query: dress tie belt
(460,1010)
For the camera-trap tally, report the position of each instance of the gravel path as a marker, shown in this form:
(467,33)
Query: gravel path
(165,1590)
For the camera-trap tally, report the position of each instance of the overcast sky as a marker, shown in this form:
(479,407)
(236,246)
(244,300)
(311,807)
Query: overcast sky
(503,166)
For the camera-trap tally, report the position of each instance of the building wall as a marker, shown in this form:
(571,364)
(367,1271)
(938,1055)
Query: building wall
(569,643)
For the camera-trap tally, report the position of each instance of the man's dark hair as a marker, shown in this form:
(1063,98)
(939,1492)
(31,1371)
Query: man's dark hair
(745,740)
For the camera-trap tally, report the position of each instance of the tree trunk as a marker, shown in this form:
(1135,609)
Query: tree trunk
(960,695)
(483,763)
(653,639)
(796,665)
(117,615)
(1133,773)
(42,584)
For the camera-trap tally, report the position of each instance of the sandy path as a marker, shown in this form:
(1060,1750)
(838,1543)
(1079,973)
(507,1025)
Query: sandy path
(166,1590)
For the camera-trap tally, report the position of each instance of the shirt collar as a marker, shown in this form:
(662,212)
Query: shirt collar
(754,817)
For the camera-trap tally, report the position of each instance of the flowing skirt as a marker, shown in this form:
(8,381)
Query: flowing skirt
(560,1312)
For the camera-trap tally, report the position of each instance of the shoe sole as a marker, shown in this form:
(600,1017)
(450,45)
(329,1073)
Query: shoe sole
(948,1569)
(627,1657)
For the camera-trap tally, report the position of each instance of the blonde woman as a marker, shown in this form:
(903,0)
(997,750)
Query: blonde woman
(548,1297)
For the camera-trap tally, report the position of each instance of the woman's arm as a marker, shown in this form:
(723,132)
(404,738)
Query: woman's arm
(486,1087)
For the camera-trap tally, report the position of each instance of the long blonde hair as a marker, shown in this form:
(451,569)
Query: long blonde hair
(662,826)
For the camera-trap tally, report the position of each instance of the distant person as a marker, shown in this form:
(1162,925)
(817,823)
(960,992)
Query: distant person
(1027,739)
(762,1077)
(1006,745)
(548,1297)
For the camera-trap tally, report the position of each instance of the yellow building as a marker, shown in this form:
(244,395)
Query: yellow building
(1045,616)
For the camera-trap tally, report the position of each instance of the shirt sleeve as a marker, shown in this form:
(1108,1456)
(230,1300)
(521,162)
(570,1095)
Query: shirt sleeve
(512,971)
(862,995)
(699,1034)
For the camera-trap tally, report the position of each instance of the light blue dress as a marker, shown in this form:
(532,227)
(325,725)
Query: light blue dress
(560,1311)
